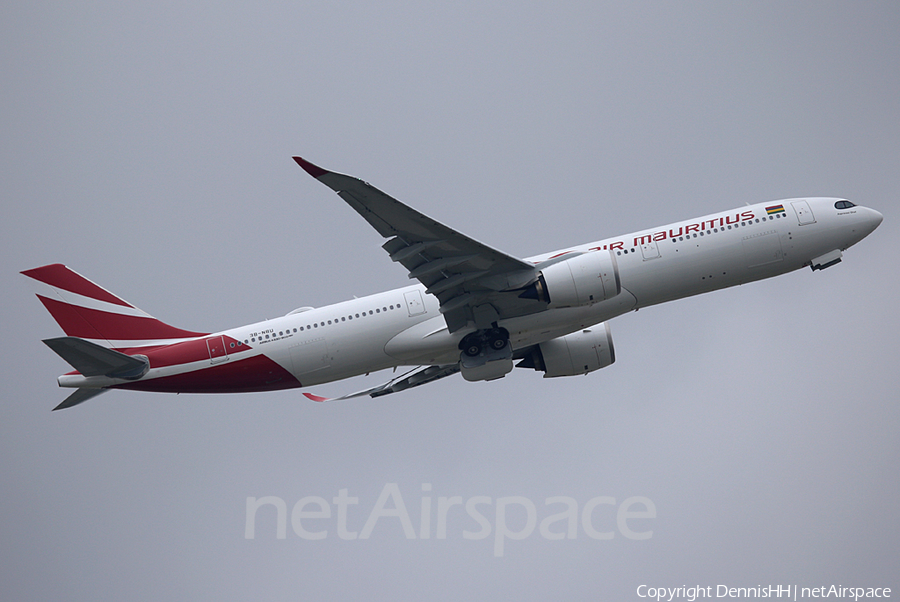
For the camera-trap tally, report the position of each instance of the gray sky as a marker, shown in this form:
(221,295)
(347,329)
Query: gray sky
(148,146)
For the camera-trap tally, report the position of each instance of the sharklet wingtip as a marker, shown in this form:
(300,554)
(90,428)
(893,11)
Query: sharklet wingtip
(313,170)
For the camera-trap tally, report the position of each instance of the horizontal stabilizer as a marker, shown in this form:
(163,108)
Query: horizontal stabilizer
(91,359)
(79,396)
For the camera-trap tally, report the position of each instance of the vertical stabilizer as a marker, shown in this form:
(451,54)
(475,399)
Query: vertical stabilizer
(88,311)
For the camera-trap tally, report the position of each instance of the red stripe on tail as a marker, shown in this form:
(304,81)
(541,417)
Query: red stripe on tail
(107,323)
(95,324)
(59,276)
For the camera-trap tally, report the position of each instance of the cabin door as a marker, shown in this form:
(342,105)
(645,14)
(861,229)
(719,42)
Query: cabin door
(804,213)
(217,351)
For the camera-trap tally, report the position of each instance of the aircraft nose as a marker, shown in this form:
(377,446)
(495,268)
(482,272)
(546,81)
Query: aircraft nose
(874,220)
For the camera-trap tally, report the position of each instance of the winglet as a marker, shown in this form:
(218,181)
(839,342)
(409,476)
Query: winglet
(313,170)
(310,395)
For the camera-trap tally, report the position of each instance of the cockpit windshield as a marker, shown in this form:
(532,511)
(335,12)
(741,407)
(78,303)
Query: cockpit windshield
(843,205)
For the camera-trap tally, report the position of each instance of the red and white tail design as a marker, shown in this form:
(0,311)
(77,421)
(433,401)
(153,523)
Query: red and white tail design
(88,311)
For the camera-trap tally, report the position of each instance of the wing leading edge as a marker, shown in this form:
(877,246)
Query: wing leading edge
(475,284)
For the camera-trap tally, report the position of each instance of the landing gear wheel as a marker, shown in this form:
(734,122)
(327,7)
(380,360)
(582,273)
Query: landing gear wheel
(498,343)
(491,341)
(498,338)
(472,349)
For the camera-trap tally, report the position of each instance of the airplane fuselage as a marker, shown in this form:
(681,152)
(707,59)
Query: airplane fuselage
(405,327)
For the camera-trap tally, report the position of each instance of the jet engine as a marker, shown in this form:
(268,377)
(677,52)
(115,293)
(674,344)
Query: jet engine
(577,353)
(583,280)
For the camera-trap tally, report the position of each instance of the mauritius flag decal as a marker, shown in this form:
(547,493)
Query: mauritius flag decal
(774,209)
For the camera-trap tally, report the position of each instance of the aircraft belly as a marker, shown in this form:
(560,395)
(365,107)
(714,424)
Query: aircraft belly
(310,356)
(347,353)
(546,325)
(430,342)
(424,343)
(257,373)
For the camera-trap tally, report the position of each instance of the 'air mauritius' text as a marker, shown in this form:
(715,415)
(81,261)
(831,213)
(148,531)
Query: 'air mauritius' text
(716,222)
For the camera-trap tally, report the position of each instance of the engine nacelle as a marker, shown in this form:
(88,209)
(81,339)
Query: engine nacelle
(583,280)
(577,353)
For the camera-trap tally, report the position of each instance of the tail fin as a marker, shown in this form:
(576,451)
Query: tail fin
(88,311)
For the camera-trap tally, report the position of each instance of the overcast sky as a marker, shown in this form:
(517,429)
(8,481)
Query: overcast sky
(148,146)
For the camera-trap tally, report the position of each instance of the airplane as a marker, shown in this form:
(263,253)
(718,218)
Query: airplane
(474,309)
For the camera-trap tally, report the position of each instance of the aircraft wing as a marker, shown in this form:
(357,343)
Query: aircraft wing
(474,283)
(413,378)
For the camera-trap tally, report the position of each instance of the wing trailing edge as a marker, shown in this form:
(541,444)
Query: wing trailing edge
(413,378)
(474,283)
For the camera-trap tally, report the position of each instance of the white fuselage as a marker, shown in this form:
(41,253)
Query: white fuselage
(405,327)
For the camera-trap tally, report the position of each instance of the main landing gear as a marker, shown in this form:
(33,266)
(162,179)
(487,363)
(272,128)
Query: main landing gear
(493,339)
(486,354)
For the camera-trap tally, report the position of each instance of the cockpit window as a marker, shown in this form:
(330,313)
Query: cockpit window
(843,205)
